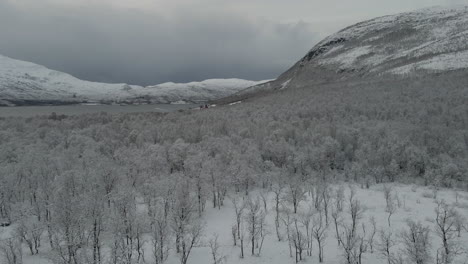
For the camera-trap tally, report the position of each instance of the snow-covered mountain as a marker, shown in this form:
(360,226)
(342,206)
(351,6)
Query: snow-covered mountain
(197,91)
(28,83)
(427,41)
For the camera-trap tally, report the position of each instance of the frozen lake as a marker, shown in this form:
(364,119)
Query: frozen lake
(27,111)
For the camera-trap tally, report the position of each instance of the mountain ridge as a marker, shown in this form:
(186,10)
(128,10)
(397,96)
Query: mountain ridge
(25,83)
(426,41)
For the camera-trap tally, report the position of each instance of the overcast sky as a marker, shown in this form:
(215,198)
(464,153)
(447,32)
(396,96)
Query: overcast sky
(153,41)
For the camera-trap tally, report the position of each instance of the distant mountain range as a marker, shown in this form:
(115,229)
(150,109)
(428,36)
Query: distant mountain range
(407,45)
(26,83)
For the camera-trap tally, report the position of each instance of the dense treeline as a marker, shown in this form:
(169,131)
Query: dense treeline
(73,179)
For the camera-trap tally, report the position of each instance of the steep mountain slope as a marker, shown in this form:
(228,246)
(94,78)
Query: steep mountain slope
(427,41)
(28,83)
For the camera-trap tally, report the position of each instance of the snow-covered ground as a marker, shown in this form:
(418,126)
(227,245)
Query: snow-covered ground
(411,202)
(417,203)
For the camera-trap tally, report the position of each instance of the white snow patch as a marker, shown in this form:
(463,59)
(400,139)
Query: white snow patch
(234,103)
(348,58)
(452,61)
(334,49)
(285,84)
(180,102)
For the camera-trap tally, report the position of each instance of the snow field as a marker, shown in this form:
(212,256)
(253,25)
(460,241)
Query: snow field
(412,202)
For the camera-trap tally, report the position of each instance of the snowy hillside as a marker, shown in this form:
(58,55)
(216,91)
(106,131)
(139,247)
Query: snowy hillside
(197,91)
(22,81)
(427,41)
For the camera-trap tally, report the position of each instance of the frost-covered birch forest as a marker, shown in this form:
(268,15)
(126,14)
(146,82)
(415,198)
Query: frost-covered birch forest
(326,174)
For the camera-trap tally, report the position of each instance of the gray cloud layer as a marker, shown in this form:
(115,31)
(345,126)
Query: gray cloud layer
(137,46)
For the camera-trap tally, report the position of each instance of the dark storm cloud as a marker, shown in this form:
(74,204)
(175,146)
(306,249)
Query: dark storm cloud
(124,45)
(152,41)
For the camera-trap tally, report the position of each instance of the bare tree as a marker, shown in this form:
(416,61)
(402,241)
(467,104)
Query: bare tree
(339,196)
(140,241)
(416,242)
(127,227)
(353,245)
(286,217)
(295,192)
(352,241)
(460,223)
(30,232)
(255,221)
(356,211)
(306,220)
(337,209)
(183,214)
(278,189)
(298,239)
(6,194)
(239,207)
(242,239)
(234,234)
(264,196)
(193,168)
(316,195)
(446,229)
(390,207)
(385,244)
(264,232)
(337,221)
(218,258)
(388,194)
(69,232)
(326,197)
(189,238)
(217,181)
(96,215)
(319,232)
(11,251)
(352,193)
(372,233)
(160,234)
